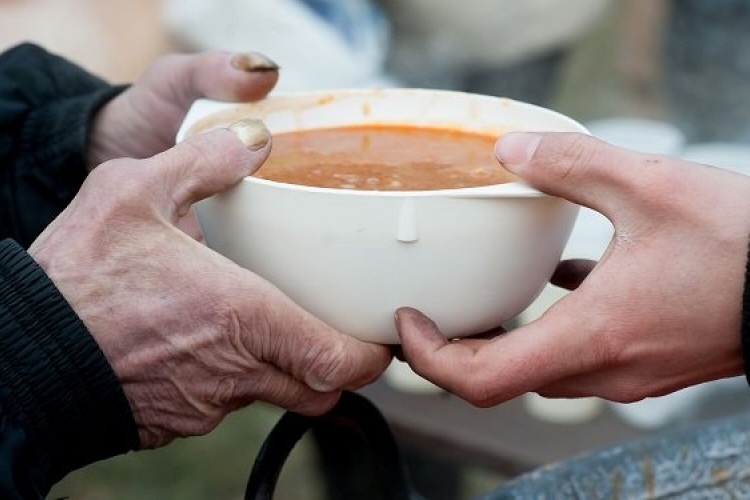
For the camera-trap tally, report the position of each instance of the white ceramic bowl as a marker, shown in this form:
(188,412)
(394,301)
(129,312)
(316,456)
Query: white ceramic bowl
(468,258)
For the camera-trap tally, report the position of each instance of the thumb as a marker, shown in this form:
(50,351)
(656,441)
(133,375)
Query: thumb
(240,77)
(314,352)
(577,167)
(208,163)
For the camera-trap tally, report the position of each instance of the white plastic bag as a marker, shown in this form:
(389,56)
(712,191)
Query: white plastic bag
(318,43)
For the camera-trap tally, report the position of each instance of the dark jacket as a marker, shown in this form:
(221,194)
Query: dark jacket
(61,406)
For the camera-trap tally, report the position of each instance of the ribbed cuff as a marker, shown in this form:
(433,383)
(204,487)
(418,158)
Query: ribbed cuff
(745,334)
(58,134)
(54,138)
(67,395)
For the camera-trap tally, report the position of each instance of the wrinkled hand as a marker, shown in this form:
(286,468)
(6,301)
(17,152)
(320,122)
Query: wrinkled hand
(144,119)
(190,335)
(659,312)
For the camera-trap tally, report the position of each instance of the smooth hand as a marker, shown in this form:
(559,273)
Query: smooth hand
(190,335)
(660,311)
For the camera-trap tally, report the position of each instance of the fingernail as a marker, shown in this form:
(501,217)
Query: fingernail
(397,318)
(516,149)
(253,133)
(320,385)
(253,62)
(413,320)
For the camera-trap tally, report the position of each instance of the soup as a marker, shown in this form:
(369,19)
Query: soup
(384,158)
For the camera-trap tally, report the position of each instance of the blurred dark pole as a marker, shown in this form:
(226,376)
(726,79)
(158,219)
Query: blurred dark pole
(707,67)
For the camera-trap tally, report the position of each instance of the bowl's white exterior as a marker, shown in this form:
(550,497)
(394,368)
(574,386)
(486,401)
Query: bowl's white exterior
(468,259)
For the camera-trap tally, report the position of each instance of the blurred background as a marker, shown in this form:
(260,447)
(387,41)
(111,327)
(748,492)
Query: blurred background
(669,77)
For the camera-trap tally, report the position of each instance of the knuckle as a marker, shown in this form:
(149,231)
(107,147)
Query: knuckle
(216,148)
(224,394)
(201,426)
(480,395)
(329,367)
(166,62)
(480,391)
(251,330)
(660,188)
(608,351)
(318,404)
(118,181)
(193,164)
(608,343)
(198,150)
(573,157)
(567,155)
(419,356)
(626,391)
(114,170)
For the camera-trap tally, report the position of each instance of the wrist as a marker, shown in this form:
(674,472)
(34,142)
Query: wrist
(745,325)
(71,404)
(104,143)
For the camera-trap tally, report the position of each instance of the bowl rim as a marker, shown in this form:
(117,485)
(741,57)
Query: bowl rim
(519,189)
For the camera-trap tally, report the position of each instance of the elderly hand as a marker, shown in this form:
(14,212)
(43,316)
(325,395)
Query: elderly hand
(660,311)
(143,120)
(190,335)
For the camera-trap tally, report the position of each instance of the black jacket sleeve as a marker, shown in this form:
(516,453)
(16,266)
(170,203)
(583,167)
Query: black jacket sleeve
(46,105)
(61,406)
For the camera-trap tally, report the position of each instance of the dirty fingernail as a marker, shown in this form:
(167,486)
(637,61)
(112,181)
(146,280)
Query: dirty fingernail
(515,149)
(253,133)
(253,61)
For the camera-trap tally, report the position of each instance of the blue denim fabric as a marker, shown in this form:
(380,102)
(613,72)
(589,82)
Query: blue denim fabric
(351,18)
(707,461)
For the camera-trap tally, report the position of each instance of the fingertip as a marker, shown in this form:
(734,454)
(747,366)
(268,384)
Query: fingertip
(209,162)
(254,137)
(232,77)
(515,149)
(322,403)
(253,62)
(374,362)
(409,317)
(339,361)
(252,133)
(254,76)
(300,398)
(415,330)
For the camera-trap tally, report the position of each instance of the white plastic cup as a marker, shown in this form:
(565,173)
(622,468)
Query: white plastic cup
(639,134)
(726,155)
(657,412)
(562,411)
(400,376)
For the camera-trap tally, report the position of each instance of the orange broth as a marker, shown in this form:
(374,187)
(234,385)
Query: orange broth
(384,158)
